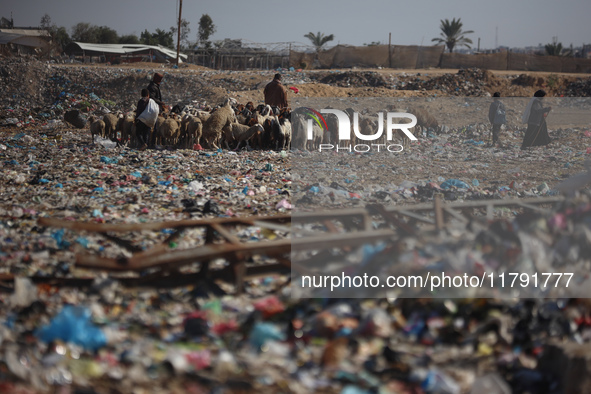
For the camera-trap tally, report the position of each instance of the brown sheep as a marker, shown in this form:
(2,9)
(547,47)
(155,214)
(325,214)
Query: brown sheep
(97,127)
(169,131)
(124,125)
(193,132)
(424,119)
(212,127)
(110,125)
(240,133)
(405,141)
(155,132)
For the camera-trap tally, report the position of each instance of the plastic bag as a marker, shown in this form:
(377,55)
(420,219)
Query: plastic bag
(150,114)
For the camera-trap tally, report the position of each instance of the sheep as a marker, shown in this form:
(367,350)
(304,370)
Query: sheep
(212,127)
(263,116)
(155,135)
(332,123)
(202,115)
(405,140)
(185,120)
(240,133)
(299,138)
(192,132)
(124,125)
(281,133)
(169,131)
(111,125)
(97,127)
(424,119)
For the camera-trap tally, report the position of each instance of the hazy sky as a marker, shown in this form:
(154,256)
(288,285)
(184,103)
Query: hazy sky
(412,22)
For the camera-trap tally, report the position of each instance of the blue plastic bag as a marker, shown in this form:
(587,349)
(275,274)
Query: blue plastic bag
(73,325)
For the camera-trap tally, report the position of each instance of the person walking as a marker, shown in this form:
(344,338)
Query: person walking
(497,117)
(535,115)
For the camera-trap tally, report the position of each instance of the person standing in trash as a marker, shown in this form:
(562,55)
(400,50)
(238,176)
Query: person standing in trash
(535,116)
(154,89)
(143,123)
(275,93)
(496,116)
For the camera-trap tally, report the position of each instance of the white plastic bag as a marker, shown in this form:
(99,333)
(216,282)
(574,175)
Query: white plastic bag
(150,114)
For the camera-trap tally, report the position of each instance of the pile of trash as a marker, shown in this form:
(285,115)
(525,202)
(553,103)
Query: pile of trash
(467,82)
(352,79)
(579,88)
(105,337)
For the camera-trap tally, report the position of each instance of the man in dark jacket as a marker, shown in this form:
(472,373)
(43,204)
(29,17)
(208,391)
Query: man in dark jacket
(275,93)
(154,90)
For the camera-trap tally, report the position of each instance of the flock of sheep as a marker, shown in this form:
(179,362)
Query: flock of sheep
(232,126)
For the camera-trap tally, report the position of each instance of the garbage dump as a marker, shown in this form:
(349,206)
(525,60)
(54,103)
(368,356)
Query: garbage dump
(81,314)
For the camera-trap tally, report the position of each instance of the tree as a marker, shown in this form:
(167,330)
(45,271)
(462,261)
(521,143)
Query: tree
(185,30)
(452,34)
(164,38)
(106,35)
(160,37)
(556,49)
(146,38)
(85,32)
(206,30)
(60,36)
(553,49)
(318,40)
(45,23)
(129,39)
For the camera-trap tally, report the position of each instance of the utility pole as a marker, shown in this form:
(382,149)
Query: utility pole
(496,37)
(390,50)
(178,42)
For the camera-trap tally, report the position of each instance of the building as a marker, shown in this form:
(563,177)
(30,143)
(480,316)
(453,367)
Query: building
(122,53)
(24,41)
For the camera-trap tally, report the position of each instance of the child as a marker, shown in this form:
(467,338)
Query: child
(496,116)
(143,120)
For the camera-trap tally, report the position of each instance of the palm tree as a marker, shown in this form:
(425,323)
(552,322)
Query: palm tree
(556,49)
(318,40)
(452,34)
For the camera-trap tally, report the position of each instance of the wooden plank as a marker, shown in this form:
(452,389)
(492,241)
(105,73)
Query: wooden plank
(175,258)
(154,226)
(455,214)
(228,236)
(439,223)
(391,219)
(271,226)
(533,207)
(415,216)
